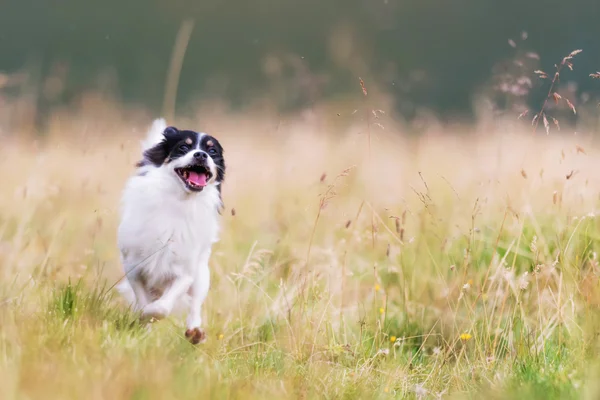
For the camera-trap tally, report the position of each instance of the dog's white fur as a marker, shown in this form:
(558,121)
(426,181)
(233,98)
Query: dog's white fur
(165,238)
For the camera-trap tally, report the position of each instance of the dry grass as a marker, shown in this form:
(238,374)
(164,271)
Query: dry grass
(444,266)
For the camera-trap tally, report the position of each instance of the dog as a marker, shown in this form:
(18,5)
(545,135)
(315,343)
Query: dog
(170,211)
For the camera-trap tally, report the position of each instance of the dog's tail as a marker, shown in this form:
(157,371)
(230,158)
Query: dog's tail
(155,134)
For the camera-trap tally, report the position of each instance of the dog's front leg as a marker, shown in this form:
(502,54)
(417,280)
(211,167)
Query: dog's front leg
(163,306)
(198,292)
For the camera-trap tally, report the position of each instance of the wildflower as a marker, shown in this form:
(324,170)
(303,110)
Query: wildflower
(384,352)
(392,339)
(555,262)
(381,310)
(524,281)
(377,288)
(386,389)
(465,336)
(221,336)
(533,245)
(420,390)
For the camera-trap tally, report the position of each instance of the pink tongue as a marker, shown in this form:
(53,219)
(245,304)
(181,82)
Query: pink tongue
(197,179)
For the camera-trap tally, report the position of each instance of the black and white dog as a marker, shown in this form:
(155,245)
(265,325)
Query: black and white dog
(169,221)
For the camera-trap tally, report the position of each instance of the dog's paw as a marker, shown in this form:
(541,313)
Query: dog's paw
(195,335)
(154,311)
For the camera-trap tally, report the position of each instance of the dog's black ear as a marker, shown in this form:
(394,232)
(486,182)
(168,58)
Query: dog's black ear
(170,132)
(157,155)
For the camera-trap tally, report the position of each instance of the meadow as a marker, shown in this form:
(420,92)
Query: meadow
(354,262)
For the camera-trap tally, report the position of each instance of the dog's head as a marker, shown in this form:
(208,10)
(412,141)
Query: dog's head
(195,159)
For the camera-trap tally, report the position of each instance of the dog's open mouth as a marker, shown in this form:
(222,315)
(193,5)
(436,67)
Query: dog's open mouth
(195,177)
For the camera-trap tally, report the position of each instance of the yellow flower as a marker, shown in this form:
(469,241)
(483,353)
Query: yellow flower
(465,336)
(392,339)
(381,310)
(221,336)
(386,389)
(377,288)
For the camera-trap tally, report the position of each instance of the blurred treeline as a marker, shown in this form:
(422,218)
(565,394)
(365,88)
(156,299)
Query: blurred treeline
(434,54)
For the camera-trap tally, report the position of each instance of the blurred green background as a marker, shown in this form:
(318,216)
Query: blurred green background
(424,53)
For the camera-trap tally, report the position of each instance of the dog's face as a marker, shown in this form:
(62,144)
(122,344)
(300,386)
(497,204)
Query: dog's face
(195,159)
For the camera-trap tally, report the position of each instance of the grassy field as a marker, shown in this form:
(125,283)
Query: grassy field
(452,265)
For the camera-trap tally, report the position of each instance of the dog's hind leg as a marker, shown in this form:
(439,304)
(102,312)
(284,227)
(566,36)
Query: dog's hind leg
(142,297)
(132,287)
(163,306)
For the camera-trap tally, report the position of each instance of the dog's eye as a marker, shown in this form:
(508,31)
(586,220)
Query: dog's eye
(184,147)
(212,151)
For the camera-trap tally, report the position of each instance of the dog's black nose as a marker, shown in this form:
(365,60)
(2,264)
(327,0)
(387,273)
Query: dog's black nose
(200,155)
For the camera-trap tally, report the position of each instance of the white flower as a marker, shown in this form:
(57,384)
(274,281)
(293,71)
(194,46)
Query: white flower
(384,352)
(420,391)
(524,281)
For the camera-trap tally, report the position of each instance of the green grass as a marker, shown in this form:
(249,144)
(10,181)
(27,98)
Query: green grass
(486,287)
